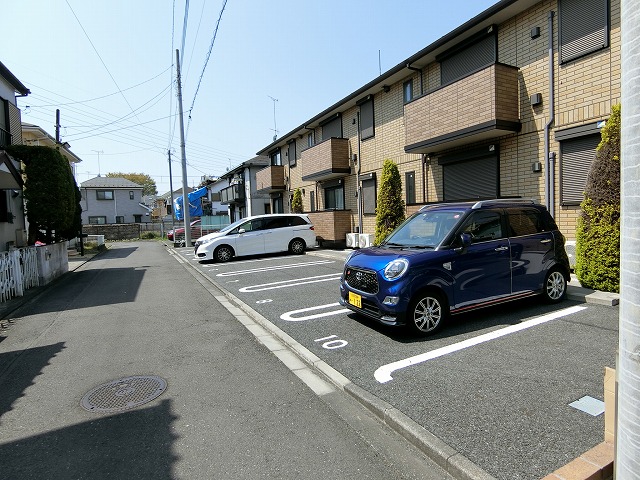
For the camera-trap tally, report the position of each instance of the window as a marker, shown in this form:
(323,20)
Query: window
(275,157)
(137,218)
(169,209)
(250,225)
(576,156)
(471,174)
(275,222)
(367,126)
(97,220)
(292,154)
(310,140)
(473,54)
(407,91)
(130,195)
(334,197)
(483,226)
(583,27)
(296,221)
(332,127)
(525,221)
(410,187)
(5,135)
(278,205)
(104,194)
(119,219)
(369,195)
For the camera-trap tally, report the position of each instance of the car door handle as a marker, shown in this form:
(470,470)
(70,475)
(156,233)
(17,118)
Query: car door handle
(547,240)
(501,249)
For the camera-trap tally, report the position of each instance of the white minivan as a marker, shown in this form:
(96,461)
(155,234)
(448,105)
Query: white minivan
(277,232)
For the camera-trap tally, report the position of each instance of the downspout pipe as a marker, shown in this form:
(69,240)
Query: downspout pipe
(550,162)
(420,71)
(358,171)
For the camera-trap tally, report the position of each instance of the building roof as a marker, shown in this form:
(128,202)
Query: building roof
(109,182)
(10,77)
(43,138)
(260,160)
(494,15)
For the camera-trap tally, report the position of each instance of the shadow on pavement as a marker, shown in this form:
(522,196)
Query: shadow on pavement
(134,444)
(12,386)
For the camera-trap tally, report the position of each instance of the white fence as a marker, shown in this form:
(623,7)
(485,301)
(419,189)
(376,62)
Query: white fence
(18,272)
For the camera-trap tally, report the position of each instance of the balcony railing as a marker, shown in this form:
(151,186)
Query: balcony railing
(5,138)
(329,159)
(232,194)
(270,179)
(481,106)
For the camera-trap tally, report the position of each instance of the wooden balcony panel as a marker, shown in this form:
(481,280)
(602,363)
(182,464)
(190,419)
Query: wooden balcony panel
(270,179)
(329,159)
(481,106)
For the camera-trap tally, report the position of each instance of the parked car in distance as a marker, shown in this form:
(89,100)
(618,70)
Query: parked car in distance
(196,231)
(450,258)
(277,232)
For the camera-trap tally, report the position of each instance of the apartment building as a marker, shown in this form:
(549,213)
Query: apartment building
(509,104)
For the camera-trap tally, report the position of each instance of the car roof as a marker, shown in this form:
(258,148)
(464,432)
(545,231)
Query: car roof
(475,205)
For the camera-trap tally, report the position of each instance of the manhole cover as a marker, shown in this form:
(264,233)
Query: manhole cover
(123,394)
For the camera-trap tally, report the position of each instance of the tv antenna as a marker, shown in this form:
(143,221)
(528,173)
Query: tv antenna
(275,127)
(98,152)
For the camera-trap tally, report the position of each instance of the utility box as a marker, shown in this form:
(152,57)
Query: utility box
(365,240)
(353,240)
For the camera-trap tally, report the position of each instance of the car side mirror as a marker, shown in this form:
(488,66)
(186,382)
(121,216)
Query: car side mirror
(241,231)
(465,239)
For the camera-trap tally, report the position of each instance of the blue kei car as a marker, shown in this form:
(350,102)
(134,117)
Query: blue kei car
(449,258)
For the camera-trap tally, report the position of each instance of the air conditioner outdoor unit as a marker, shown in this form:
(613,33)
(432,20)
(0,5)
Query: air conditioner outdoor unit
(570,247)
(352,240)
(365,240)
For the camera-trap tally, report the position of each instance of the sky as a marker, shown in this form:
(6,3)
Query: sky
(250,69)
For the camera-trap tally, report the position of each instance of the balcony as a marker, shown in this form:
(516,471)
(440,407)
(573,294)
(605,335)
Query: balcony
(5,138)
(232,194)
(270,179)
(331,226)
(482,106)
(327,160)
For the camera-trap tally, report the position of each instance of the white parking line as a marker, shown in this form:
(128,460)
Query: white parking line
(274,267)
(383,374)
(289,316)
(290,283)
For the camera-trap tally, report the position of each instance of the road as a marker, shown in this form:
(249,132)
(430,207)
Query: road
(496,385)
(234,405)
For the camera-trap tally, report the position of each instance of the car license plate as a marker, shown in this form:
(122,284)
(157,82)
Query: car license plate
(355,299)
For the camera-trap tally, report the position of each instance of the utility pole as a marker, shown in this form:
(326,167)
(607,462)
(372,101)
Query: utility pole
(57,126)
(173,216)
(185,198)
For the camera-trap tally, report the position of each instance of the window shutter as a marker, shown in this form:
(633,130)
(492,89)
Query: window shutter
(369,196)
(292,154)
(472,58)
(583,27)
(332,129)
(577,154)
(473,179)
(367,127)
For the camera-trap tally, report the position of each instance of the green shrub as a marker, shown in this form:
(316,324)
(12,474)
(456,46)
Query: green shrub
(296,202)
(598,230)
(390,208)
(149,235)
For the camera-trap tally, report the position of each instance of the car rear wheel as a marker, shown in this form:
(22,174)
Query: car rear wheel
(297,246)
(427,313)
(555,286)
(223,253)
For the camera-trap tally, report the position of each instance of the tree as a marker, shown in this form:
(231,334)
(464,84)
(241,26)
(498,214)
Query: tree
(148,183)
(390,209)
(296,202)
(52,197)
(598,231)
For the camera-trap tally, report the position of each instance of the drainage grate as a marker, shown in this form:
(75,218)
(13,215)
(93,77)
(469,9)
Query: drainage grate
(123,394)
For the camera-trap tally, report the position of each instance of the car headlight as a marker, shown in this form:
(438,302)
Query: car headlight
(396,269)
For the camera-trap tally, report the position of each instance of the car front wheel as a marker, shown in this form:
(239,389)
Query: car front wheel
(223,253)
(297,246)
(555,286)
(427,313)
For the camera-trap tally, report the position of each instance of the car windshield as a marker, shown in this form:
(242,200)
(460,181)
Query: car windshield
(233,225)
(423,230)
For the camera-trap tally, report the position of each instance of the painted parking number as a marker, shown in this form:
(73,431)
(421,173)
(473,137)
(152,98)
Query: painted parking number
(332,344)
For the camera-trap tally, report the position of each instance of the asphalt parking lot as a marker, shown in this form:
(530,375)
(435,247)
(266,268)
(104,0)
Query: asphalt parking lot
(496,385)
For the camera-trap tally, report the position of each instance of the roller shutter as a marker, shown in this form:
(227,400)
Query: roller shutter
(576,156)
(584,27)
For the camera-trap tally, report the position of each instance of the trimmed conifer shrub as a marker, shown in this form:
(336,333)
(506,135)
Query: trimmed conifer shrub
(390,209)
(598,232)
(296,201)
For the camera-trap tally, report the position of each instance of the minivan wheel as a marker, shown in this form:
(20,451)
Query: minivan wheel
(427,313)
(555,286)
(297,246)
(223,253)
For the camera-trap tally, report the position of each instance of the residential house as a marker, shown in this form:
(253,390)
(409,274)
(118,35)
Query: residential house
(12,220)
(37,136)
(240,195)
(509,104)
(107,200)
